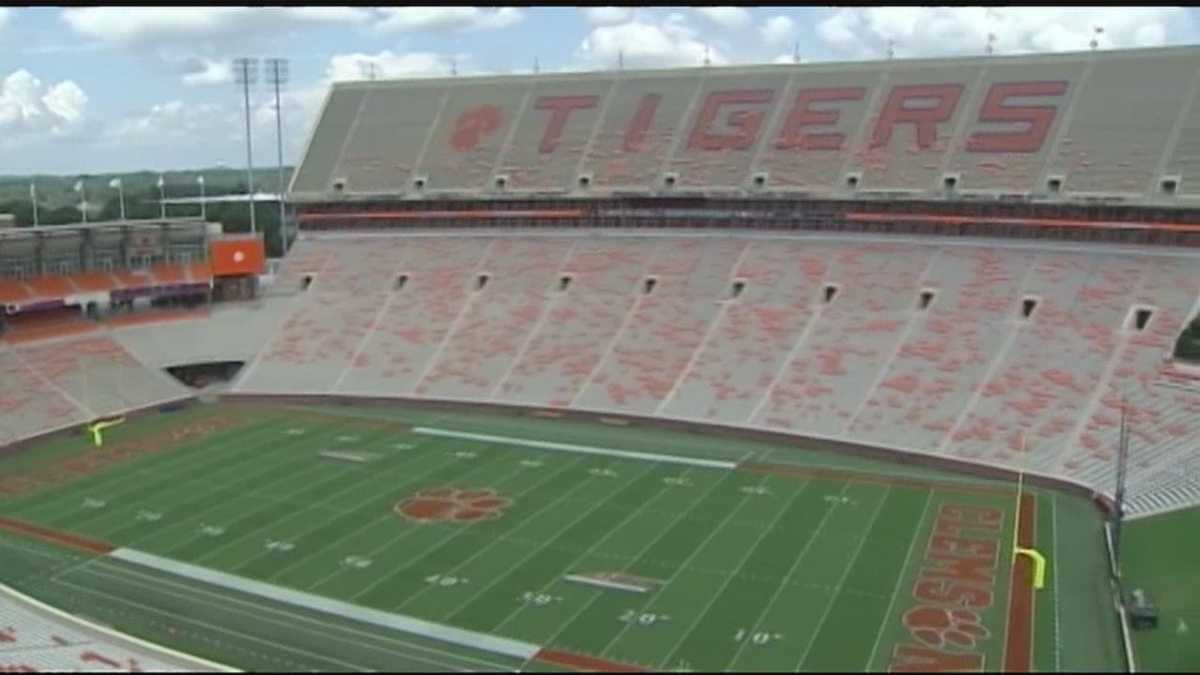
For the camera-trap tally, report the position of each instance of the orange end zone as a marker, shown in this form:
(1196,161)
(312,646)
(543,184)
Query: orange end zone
(1018,647)
(55,537)
(578,662)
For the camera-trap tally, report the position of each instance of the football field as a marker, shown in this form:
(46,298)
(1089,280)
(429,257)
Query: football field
(342,539)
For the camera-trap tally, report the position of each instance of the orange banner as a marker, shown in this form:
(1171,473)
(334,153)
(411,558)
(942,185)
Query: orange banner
(237,257)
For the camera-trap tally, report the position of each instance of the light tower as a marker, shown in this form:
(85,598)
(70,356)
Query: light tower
(1096,32)
(277,75)
(891,49)
(991,43)
(246,71)
(203,203)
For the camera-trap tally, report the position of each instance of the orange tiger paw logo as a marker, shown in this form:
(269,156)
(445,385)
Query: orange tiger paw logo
(940,628)
(473,125)
(452,504)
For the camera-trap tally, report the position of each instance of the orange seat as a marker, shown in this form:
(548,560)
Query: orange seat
(12,292)
(51,287)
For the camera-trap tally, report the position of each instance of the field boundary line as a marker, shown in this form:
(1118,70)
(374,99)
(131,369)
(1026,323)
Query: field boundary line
(845,575)
(579,449)
(912,546)
(174,588)
(403,623)
(1054,571)
(732,575)
(117,635)
(853,476)
(219,629)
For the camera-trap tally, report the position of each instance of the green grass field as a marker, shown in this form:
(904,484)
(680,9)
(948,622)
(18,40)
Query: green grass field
(1162,555)
(772,558)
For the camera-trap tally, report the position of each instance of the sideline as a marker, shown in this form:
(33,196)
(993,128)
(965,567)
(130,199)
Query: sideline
(581,449)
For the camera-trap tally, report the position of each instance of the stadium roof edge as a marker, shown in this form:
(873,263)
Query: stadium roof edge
(767,68)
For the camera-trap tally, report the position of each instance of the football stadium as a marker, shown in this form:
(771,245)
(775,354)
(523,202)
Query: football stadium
(880,366)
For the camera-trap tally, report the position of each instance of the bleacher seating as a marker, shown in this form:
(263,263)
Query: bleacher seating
(1112,122)
(919,346)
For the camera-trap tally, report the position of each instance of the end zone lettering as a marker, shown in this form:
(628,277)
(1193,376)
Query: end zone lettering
(956,583)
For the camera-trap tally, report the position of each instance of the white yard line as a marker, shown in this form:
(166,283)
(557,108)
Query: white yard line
(547,539)
(303,512)
(730,577)
(581,449)
(455,533)
(1054,571)
(691,556)
(398,538)
(529,519)
(591,549)
(899,580)
(849,566)
(339,608)
(670,526)
(792,572)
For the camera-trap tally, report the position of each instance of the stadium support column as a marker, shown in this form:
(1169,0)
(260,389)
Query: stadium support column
(277,74)
(246,72)
(1118,514)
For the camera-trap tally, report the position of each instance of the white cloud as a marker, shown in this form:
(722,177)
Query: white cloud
(207,71)
(170,120)
(778,30)
(391,65)
(141,25)
(445,19)
(194,42)
(647,45)
(929,31)
(32,110)
(731,18)
(5,13)
(607,16)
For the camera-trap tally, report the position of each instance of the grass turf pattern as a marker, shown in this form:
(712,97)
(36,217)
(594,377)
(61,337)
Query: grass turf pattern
(759,571)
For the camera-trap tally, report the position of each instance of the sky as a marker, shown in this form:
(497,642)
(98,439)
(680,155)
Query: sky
(97,90)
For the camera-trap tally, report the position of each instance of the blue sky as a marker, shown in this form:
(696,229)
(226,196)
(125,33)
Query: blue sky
(93,90)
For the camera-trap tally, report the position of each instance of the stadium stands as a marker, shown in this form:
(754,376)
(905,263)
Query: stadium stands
(1053,126)
(974,351)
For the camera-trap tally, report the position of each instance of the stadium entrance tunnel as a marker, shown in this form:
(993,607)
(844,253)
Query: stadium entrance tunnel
(202,375)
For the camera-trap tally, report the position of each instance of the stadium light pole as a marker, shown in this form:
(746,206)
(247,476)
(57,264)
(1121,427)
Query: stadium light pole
(620,59)
(116,185)
(891,49)
(246,71)
(33,198)
(991,42)
(82,199)
(277,75)
(162,197)
(203,204)
(1096,31)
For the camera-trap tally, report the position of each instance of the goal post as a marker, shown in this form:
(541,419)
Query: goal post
(96,429)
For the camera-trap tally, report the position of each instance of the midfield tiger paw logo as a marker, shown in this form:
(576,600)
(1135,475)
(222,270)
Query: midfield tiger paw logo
(473,126)
(453,505)
(943,628)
